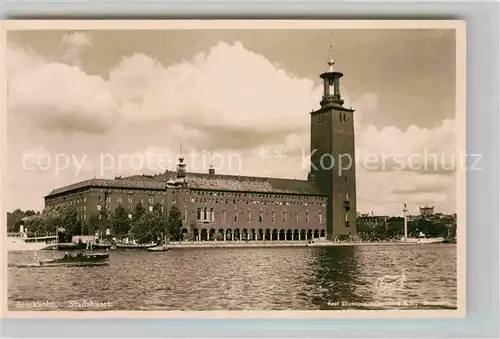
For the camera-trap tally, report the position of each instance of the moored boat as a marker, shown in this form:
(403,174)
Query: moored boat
(22,242)
(136,246)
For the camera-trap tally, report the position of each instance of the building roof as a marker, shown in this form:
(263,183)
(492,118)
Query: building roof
(239,183)
(202,181)
(110,183)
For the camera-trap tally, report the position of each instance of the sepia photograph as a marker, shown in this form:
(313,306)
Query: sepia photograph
(234,166)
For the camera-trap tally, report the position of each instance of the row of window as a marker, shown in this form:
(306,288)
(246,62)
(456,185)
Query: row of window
(125,191)
(208,214)
(119,200)
(130,207)
(257,195)
(256,202)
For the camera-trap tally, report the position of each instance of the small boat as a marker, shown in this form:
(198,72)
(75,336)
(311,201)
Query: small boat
(162,248)
(136,246)
(80,259)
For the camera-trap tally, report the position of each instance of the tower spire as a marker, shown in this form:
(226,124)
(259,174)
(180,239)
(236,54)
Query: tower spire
(211,170)
(181,156)
(331,61)
(181,167)
(331,84)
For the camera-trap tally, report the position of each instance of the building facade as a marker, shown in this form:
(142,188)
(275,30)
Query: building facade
(229,207)
(426,210)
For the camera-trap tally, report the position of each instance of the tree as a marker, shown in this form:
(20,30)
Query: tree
(159,229)
(138,212)
(35,224)
(139,223)
(174,223)
(69,220)
(138,229)
(395,227)
(121,222)
(52,219)
(14,219)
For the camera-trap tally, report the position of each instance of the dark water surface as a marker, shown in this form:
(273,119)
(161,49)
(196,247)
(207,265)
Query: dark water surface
(242,279)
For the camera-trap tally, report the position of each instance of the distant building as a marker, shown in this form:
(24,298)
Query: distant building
(244,207)
(426,210)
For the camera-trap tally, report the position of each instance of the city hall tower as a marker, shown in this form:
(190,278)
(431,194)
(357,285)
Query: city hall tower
(333,156)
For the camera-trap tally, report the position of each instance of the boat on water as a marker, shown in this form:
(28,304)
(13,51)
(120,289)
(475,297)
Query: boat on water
(162,248)
(422,239)
(136,246)
(22,241)
(102,246)
(80,259)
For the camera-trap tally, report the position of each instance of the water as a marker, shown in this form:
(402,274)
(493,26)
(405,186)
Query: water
(242,279)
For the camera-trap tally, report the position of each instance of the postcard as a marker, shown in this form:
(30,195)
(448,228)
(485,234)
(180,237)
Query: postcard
(252,168)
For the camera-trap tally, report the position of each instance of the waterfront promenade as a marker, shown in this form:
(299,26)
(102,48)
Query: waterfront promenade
(316,243)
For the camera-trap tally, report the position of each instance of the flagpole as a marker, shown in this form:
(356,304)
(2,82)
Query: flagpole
(405,210)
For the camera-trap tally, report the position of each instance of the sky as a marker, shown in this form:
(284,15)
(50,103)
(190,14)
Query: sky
(85,104)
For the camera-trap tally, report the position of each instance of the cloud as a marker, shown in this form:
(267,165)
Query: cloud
(75,44)
(228,100)
(62,98)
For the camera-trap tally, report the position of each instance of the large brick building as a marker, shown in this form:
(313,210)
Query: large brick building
(242,207)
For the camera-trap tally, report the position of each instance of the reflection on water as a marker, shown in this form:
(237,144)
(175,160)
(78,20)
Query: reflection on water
(242,279)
